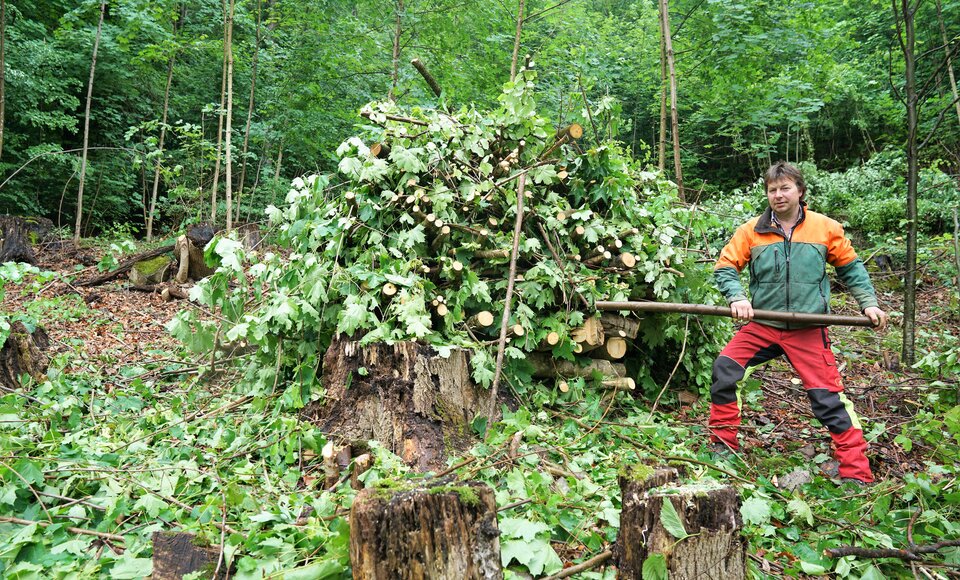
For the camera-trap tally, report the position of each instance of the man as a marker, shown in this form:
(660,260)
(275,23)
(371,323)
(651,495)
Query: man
(787,250)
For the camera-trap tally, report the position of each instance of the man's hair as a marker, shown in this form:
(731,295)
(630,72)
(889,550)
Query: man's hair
(783,170)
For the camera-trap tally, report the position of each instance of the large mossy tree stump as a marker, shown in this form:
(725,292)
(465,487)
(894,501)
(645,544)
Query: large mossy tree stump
(709,513)
(177,554)
(23,354)
(442,532)
(415,402)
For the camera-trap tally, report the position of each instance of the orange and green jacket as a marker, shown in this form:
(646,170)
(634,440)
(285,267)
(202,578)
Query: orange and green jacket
(788,273)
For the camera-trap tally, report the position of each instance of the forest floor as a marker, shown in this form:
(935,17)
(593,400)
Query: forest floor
(108,329)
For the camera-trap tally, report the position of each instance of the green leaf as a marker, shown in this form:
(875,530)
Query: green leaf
(800,509)
(655,567)
(316,571)
(811,568)
(756,510)
(537,555)
(522,528)
(671,520)
(29,471)
(129,568)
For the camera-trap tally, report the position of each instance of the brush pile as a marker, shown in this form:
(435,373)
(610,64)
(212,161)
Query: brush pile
(412,240)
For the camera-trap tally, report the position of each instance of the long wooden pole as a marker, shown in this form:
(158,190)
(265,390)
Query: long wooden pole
(86,125)
(707,310)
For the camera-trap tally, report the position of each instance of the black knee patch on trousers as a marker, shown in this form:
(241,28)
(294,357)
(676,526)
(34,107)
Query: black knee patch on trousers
(830,410)
(726,374)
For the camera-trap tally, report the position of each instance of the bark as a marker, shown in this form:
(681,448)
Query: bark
(250,103)
(713,547)
(23,354)
(223,97)
(674,122)
(908,44)
(516,42)
(86,125)
(662,143)
(17,236)
(943,36)
(621,326)
(397,31)
(706,310)
(163,130)
(177,554)
(427,77)
(416,403)
(441,532)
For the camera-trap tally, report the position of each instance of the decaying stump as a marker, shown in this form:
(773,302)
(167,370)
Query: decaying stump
(442,532)
(151,271)
(710,514)
(17,236)
(418,404)
(189,252)
(177,554)
(22,354)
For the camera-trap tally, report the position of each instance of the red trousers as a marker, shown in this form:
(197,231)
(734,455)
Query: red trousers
(808,351)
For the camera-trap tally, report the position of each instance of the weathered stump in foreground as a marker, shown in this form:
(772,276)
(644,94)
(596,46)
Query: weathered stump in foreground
(189,252)
(22,354)
(442,532)
(710,514)
(416,403)
(177,554)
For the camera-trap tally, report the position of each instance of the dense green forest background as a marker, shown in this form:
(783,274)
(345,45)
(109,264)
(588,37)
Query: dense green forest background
(815,81)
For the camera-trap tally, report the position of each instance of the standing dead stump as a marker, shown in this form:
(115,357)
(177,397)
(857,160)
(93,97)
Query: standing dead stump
(443,532)
(177,554)
(710,514)
(17,236)
(22,354)
(415,402)
(189,252)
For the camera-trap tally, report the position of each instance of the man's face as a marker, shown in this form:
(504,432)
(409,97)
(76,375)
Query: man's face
(784,197)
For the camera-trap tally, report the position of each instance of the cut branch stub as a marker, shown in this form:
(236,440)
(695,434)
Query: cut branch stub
(545,366)
(440,532)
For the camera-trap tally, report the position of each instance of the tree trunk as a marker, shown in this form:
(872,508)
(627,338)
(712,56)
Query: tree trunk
(397,31)
(22,354)
(908,44)
(417,404)
(223,96)
(250,104)
(3,75)
(662,149)
(177,554)
(516,42)
(86,125)
(163,129)
(712,547)
(674,122)
(943,35)
(228,157)
(439,532)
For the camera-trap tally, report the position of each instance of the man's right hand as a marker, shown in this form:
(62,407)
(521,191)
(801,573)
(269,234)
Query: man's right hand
(741,310)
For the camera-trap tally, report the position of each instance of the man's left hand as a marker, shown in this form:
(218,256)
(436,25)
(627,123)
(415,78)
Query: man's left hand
(877,316)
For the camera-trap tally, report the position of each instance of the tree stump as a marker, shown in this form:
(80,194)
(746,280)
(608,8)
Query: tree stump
(710,515)
(441,532)
(17,236)
(22,354)
(416,403)
(177,554)
(151,271)
(189,252)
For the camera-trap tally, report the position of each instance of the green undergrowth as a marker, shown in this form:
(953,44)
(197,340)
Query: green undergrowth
(242,472)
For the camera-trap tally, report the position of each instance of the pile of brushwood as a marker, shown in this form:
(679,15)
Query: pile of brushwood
(414,238)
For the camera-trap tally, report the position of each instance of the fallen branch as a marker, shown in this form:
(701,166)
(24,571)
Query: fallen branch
(102,535)
(126,265)
(588,565)
(911,553)
(434,86)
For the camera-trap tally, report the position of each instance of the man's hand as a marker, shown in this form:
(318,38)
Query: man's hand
(877,317)
(742,310)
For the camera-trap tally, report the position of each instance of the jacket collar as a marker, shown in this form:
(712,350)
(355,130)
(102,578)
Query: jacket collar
(767,225)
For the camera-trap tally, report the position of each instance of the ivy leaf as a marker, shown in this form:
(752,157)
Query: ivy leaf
(756,511)
(671,520)
(655,567)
